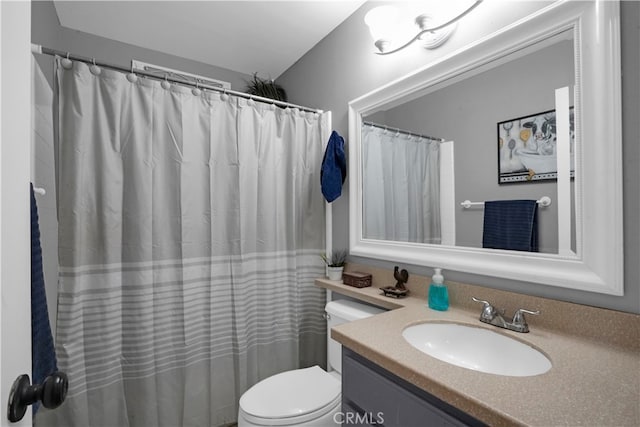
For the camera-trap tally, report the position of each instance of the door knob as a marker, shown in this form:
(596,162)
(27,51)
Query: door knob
(51,393)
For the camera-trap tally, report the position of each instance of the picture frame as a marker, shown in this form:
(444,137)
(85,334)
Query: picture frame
(527,148)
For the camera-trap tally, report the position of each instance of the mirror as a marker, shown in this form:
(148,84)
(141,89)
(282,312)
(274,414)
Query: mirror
(579,243)
(402,165)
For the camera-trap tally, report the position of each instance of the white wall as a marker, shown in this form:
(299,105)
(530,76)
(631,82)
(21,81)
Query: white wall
(15,254)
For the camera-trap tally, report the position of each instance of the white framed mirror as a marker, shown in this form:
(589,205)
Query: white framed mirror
(584,248)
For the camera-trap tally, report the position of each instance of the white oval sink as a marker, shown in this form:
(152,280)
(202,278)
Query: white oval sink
(477,348)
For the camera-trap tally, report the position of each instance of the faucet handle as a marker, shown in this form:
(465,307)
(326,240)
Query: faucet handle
(519,320)
(481,300)
(488,311)
(519,314)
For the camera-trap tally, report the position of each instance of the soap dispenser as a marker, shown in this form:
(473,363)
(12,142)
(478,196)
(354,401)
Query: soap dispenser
(438,294)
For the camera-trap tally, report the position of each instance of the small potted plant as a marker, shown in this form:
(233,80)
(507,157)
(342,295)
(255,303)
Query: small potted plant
(335,263)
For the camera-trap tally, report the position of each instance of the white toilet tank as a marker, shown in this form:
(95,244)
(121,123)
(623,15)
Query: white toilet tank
(339,312)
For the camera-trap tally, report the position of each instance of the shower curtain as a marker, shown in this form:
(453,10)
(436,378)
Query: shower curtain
(190,234)
(401,186)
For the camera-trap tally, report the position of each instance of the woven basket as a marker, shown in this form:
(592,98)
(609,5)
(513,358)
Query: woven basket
(356,279)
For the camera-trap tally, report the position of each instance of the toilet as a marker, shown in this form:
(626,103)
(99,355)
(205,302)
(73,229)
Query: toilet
(304,397)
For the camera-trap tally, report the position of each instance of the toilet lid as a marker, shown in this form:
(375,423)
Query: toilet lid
(291,394)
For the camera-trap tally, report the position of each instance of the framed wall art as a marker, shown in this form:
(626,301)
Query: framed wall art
(527,148)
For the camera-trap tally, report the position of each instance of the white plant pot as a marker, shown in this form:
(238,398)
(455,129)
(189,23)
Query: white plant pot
(335,273)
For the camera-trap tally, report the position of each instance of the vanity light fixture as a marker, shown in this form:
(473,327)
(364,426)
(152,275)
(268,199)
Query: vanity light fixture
(388,25)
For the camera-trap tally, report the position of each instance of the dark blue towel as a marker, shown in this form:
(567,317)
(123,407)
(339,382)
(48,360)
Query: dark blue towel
(43,362)
(511,224)
(334,168)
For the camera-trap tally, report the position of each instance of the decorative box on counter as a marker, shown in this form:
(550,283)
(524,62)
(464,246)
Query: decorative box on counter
(356,279)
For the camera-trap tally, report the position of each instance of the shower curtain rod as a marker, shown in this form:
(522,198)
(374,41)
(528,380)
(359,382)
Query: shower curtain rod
(35,48)
(375,125)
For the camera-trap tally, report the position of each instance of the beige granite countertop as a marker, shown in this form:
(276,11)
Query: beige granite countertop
(594,380)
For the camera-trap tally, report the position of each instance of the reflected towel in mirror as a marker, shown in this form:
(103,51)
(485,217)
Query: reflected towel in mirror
(511,224)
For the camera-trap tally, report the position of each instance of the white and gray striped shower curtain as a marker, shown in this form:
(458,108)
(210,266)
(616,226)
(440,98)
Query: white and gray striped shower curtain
(190,234)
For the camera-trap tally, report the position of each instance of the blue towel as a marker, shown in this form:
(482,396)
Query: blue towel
(334,168)
(43,362)
(511,224)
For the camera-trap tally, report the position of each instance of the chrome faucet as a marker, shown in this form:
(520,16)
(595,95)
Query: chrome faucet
(494,317)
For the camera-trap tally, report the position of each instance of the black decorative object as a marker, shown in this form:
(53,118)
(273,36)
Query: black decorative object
(399,290)
(401,276)
(390,291)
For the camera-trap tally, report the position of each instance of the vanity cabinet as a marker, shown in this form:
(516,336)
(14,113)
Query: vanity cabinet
(373,396)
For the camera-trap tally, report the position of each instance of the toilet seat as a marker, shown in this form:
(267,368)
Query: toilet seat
(285,398)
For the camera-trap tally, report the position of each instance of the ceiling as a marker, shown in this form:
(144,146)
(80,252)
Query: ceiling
(266,37)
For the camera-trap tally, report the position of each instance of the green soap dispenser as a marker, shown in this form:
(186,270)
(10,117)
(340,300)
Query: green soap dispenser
(438,294)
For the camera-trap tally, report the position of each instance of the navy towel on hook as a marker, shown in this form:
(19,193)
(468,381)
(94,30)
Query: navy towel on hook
(43,362)
(334,168)
(511,224)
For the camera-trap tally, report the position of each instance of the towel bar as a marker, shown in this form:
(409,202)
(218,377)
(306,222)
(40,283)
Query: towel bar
(544,201)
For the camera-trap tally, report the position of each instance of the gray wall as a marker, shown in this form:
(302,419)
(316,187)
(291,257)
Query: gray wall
(46,31)
(343,66)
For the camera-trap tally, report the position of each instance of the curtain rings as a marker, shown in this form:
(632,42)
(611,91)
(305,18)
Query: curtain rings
(165,83)
(132,76)
(196,90)
(66,63)
(95,70)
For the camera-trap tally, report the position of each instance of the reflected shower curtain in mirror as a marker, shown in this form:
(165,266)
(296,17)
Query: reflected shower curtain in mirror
(401,186)
(190,235)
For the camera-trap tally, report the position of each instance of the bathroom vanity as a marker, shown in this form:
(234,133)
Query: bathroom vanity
(372,395)
(594,378)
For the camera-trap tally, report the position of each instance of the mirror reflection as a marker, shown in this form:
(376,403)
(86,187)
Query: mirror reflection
(401,185)
(489,135)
